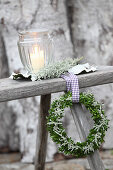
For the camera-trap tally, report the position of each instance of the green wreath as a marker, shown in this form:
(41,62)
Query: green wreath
(58,133)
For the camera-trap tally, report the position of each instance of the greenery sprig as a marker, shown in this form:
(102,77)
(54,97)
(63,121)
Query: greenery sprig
(59,135)
(53,70)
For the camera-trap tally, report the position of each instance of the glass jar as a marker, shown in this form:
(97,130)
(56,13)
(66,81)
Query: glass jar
(36,50)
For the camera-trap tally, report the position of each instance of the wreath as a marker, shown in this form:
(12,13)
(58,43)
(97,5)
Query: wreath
(59,135)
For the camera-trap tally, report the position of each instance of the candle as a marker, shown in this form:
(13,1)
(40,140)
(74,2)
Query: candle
(37,59)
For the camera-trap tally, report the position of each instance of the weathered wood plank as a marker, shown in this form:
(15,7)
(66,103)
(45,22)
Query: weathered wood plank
(12,89)
(42,133)
(82,121)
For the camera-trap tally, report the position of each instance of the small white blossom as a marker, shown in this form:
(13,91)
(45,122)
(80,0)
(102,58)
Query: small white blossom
(88,148)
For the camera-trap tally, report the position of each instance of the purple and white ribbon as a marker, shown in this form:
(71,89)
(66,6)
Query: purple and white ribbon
(72,85)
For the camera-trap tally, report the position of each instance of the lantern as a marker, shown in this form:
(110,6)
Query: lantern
(36,50)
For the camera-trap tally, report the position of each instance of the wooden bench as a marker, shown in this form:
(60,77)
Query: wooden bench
(17,89)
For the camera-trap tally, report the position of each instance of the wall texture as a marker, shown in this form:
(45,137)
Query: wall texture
(79,28)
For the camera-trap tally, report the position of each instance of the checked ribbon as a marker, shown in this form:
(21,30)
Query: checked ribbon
(72,85)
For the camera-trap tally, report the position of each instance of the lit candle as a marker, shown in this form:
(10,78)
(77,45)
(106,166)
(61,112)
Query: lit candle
(37,59)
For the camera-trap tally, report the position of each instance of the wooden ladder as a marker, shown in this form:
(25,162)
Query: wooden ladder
(17,89)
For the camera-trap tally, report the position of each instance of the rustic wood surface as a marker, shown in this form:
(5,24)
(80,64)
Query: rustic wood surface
(42,133)
(83,123)
(17,89)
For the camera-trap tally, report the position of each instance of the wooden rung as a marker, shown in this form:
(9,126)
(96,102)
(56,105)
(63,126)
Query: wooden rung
(82,121)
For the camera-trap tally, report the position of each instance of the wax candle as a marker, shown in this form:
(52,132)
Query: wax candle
(37,58)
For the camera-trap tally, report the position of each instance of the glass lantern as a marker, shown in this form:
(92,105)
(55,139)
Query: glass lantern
(36,50)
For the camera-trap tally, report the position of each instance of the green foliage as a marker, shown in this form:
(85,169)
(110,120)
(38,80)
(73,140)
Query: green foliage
(55,70)
(50,71)
(58,133)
